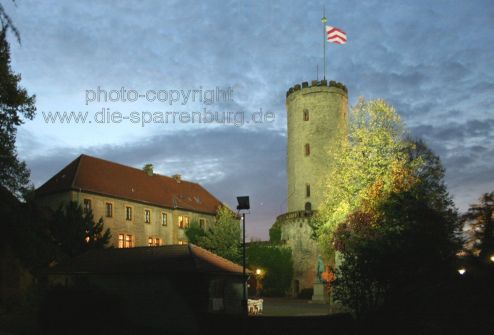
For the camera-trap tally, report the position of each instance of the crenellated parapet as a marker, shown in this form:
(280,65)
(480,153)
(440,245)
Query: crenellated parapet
(316,83)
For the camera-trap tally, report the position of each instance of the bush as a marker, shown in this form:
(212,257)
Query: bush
(277,264)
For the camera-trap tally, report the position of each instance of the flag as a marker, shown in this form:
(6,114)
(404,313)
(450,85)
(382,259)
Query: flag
(335,35)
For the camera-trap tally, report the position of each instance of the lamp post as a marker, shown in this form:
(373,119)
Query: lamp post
(243,204)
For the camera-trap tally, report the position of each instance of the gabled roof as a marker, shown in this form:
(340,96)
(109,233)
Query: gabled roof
(103,177)
(165,259)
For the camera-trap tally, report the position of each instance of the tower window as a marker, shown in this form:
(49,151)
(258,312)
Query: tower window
(306,115)
(308,207)
(307,149)
(307,190)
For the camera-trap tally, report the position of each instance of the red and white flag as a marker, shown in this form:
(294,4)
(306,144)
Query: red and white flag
(335,35)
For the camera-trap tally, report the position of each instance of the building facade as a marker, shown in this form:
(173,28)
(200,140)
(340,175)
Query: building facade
(141,208)
(317,120)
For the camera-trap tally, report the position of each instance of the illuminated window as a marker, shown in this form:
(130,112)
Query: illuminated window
(125,241)
(183,222)
(147,216)
(87,205)
(181,242)
(109,209)
(128,213)
(164,220)
(307,149)
(202,223)
(129,241)
(307,190)
(306,115)
(154,241)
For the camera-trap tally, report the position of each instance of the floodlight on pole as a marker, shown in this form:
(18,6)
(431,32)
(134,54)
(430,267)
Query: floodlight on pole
(243,204)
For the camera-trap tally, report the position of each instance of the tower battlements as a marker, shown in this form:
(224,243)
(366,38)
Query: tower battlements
(316,83)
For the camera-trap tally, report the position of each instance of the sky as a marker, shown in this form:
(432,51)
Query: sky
(432,60)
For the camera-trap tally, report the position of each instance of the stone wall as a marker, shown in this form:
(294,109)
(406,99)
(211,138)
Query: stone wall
(296,233)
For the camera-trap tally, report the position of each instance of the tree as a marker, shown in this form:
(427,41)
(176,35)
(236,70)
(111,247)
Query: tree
(194,232)
(365,167)
(75,231)
(412,244)
(481,221)
(7,24)
(387,211)
(223,238)
(15,103)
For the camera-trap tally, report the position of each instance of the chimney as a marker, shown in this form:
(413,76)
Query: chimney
(148,168)
(177,177)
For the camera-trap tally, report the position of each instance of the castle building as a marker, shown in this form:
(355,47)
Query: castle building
(317,119)
(141,208)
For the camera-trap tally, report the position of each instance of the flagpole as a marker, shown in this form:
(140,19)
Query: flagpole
(324,20)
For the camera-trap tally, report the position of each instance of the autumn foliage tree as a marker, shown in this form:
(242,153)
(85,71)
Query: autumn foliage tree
(387,219)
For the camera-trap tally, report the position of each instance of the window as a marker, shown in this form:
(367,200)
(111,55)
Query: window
(121,238)
(183,222)
(125,241)
(164,220)
(307,149)
(128,213)
(109,209)
(308,207)
(87,205)
(202,223)
(181,242)
(129,241)
(147,216)
(306,115)
(154,241)
(307,190)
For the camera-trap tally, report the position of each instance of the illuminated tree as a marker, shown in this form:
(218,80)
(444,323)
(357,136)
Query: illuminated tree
(387,211)
(370,164)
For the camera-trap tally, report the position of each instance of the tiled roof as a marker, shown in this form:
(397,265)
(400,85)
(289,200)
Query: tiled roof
(100,176)
(165,259)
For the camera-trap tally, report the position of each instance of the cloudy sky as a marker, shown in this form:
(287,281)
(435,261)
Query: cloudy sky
(433,60)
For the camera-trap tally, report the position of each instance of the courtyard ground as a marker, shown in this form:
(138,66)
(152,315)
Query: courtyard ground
(293,307)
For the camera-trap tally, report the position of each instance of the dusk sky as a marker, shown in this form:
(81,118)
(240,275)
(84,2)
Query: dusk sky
(432,60)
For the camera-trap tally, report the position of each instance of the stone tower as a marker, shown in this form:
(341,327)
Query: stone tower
(317,118)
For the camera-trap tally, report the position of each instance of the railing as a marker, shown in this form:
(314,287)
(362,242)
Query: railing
(296,215)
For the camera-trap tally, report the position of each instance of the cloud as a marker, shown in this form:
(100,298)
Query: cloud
(410,54)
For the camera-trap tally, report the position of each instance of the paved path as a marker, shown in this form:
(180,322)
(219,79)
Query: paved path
(293,307)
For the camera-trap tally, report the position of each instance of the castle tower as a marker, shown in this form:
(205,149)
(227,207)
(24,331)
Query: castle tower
(317,119)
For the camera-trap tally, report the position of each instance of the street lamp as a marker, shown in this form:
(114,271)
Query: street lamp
(492,258)
(462,271)
(243,205)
